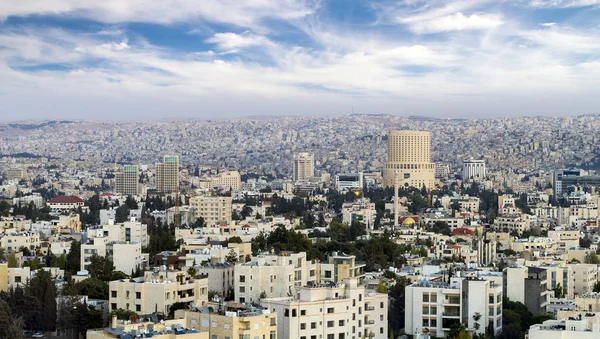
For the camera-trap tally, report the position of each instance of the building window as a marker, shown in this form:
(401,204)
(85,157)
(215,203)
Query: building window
(213,336)
(381,304)
(341,323)
(303,326)
(273,322)
(113,306)
(294,312)
(138,295)
(331,336)
(330,310)
(286,312)
(330,323)
(138,308)
(302,312)
(273,335)
(313,325)
(242,289)
(242,278)
(341,335)
(425,322)
(17,279)
(113,294)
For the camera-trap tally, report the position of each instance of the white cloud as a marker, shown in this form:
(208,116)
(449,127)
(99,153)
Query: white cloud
(234,41)
(243,13)
(455,22)
(564,3)
(548,24)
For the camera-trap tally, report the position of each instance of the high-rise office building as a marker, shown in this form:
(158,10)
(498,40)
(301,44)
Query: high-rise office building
(409,153)
(126,181)
(304,166)
(473,169)
(167,174)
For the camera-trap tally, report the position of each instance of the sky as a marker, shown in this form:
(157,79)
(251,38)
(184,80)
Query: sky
(220,59)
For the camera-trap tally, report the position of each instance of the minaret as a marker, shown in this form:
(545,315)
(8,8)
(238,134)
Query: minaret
(396,207)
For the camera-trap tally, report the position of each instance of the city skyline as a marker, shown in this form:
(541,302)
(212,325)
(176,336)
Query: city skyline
(146,60)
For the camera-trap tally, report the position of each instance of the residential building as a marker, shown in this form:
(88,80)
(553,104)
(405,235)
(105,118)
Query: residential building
(164,329)
(528,285)
(585,277)
(575,326)
(331,311)
(14,241)
(589,302)
(434,307)
(167,174)
(127,180)
(221,277)
(65,203)
(4,277)
(157,291)
(230,180)
(213,209)
(304,166)
(232,322)
(15,173)
(260,277)
(339,267)
(126,256)
(409,159)
(361,210)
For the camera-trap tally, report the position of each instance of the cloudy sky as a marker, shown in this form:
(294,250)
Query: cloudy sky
(157,59)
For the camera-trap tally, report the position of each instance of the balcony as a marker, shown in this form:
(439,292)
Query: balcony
(451,314)
(369,308)
(369,322)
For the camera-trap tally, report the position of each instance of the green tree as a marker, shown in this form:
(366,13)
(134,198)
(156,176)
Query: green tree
(231,257)
(12,260)
(131,203)
(597,287)
(72,260)
(122,214)
(94,288)
(381,287)
(42,288)
(100,267)
(10,326)
(192,271)
(198,223)
(592,258)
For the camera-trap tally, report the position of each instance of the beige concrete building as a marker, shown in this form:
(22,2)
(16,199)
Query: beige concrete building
(127,180)
(167,174)
(584,277)
(513,223)
(213,209)
(232,323)
(589,302)
(409,153)
(339,267)
(159,330)
(157,291)
(344,310)
(231,179)
(304,166)
(14,241)
(16,173)
(3,277)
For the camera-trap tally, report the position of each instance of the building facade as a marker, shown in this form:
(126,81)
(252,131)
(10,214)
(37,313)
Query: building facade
(409,158)
(473,170)
(213,209)
(167,174)
(126,181)
(304,166)
(434,307)
(337,311)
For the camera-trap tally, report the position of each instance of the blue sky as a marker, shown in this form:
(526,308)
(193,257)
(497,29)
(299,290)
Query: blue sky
(160,59)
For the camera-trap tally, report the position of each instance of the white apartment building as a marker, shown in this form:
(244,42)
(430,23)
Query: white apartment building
(331,311)
(528,285)
(213,209)
(513,223)
(220,277)
(434,307)
(157,291)
(260,276)
(361,210)
(126,256)
(474,170)
(132,231)
(339,267)
(348,181)
(467,203)
(580,326)
(565,239)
